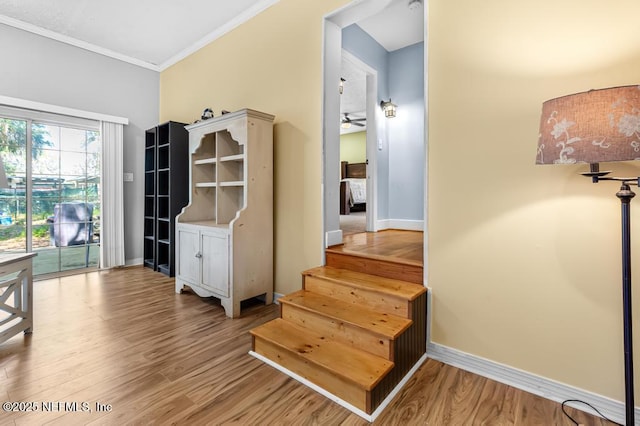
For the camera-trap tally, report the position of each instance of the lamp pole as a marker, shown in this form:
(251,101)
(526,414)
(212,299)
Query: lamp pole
(625,195)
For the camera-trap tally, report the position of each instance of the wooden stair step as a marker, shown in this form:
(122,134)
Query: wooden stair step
(384,266)
(390,286)
(354,325)
(347,372)
(379,293)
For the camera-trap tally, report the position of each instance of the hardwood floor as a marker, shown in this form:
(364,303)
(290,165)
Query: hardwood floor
(403,246)
(124,338)
(353,223)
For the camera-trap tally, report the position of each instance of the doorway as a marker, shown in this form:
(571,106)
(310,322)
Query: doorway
(396,166)
(358,135)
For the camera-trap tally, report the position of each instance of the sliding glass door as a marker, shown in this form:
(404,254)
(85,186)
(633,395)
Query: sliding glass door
(52,202)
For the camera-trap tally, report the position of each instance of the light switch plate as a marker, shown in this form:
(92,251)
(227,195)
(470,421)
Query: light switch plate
(128,177)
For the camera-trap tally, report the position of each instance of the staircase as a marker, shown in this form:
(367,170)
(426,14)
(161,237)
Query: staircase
(355,329)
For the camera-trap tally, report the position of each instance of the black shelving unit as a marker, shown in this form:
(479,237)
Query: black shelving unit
(166,192)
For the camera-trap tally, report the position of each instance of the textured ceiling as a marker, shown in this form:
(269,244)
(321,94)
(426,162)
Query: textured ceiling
(150,33)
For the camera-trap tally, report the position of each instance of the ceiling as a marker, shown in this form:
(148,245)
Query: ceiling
(395,27)
(155,34)
(150,33)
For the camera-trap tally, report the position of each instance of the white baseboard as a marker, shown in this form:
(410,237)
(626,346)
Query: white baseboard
(368,417)
(132,262)
(333,238)
(404,224)
(532,383)
(277,296)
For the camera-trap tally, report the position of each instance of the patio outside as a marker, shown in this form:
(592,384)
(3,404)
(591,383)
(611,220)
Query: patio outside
(62,238)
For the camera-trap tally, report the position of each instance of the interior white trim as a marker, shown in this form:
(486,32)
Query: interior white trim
(371,137)
(404,224)
(368,417)
(529,382)
(75,42)
(235,22)
(219,32)
(333,237)
(133,262)
(56,109)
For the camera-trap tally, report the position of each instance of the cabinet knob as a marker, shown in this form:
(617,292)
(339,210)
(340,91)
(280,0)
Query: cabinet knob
(198,255)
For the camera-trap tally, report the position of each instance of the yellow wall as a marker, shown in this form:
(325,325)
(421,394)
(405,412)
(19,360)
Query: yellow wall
(524,260)
(353,147)
(272,63)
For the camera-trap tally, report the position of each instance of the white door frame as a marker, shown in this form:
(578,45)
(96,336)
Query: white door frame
(373,130)
(332,56)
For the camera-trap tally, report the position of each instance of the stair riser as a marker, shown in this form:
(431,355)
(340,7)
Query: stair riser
(338,330)
(344,390)
(361,297)
(381,268)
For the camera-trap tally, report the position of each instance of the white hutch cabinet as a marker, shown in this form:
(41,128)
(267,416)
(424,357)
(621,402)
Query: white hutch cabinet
(225,234)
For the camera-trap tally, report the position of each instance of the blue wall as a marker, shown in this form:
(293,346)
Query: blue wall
(406,133)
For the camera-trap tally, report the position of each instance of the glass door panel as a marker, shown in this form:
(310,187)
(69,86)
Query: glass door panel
(13,154)
(66,199)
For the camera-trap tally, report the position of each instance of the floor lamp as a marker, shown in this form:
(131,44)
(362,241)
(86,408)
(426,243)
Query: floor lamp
(594,127)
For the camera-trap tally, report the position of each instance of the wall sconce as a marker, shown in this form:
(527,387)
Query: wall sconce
(389,108)
(341,86)
(593,127)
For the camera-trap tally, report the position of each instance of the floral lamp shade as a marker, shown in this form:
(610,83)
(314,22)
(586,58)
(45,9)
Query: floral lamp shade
(591,127)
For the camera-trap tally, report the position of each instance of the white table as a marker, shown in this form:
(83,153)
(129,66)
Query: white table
(16,294)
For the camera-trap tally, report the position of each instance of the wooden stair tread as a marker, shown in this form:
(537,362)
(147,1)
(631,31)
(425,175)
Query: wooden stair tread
(356,366)
(382,324)
(339,249)
(390,286)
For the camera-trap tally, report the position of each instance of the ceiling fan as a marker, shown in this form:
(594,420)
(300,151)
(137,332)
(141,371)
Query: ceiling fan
(346,122)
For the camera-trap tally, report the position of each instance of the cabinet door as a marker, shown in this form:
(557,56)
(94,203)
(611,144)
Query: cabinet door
(215,262)
(189,255)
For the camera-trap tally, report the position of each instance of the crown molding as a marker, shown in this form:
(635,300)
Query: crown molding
(219,32)
(75,42)
(245,16)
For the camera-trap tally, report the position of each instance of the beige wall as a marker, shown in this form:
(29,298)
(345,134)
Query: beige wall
(273,63)
(524,260)
(353,147)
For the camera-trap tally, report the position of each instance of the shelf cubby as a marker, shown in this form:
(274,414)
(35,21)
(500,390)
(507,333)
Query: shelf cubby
(163,182)
(149,203)
(231,170)
(163,207)
(149,183)
(150,138)
(149,159)
(163,157)
(227,146)
(149,226)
